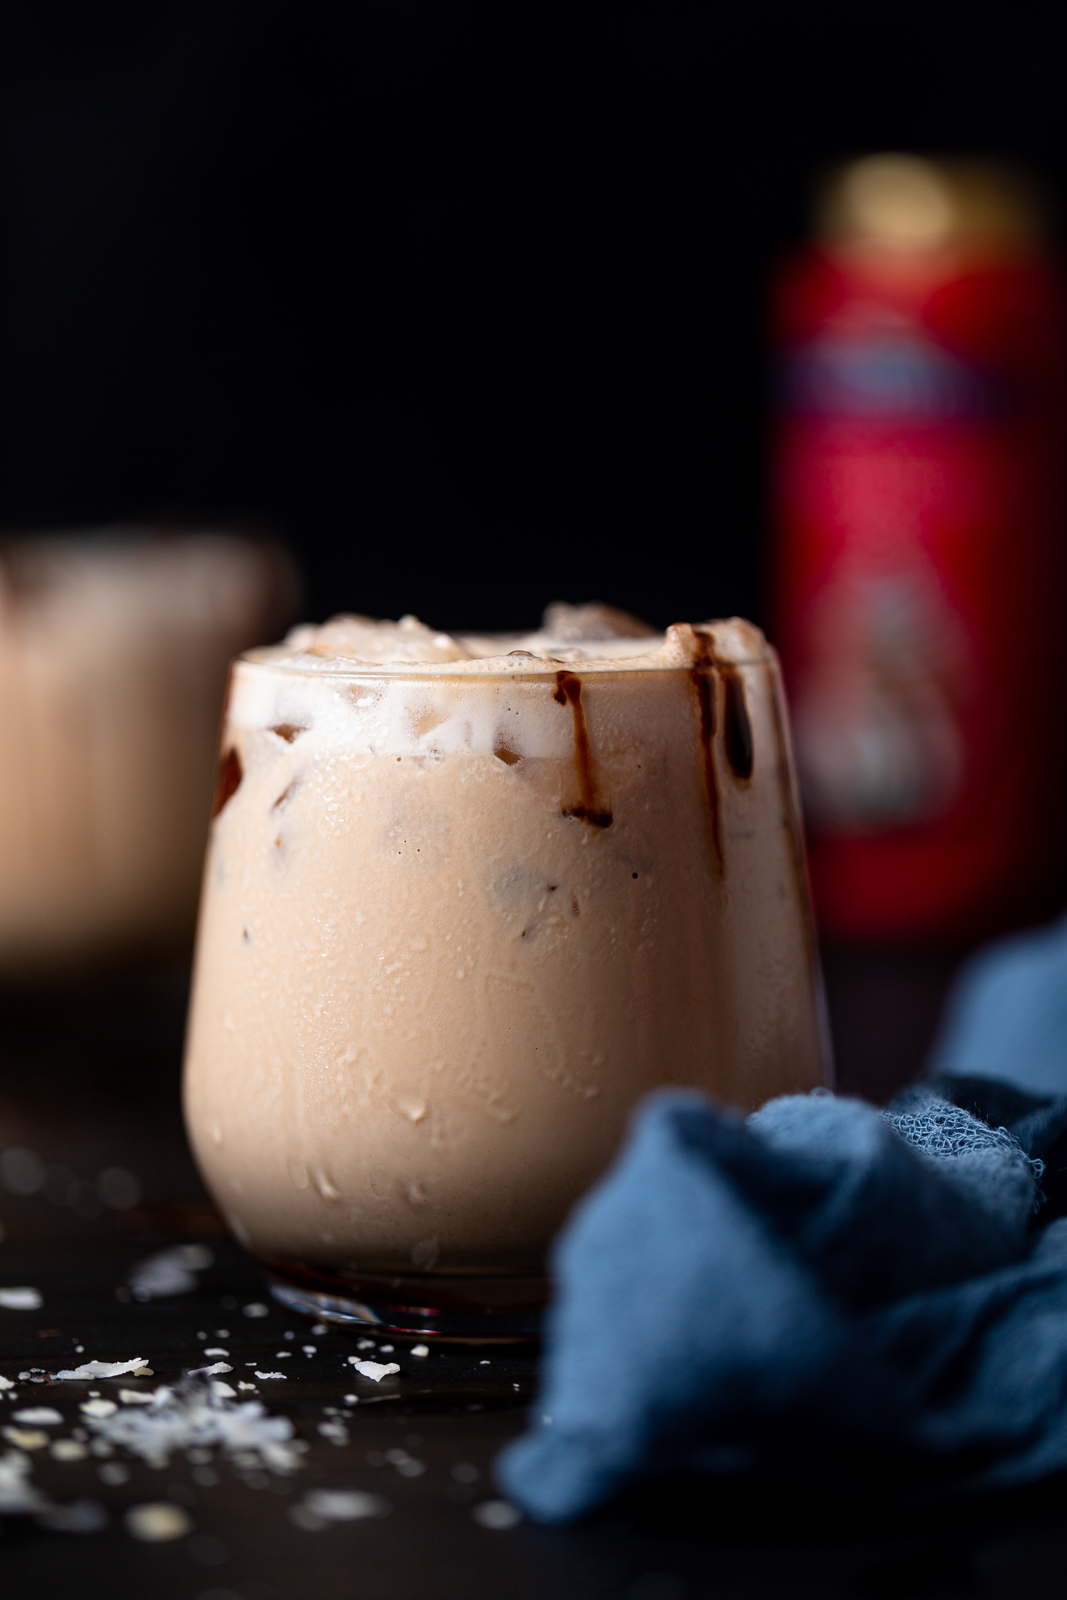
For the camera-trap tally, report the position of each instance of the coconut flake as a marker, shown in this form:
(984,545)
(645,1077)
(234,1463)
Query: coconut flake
(345,1505)
(498,1515)
(68,1450)
(26,1438)
(40,1416)
(157,1522)
(17,1493)
(169,1272)
(23,1299)
(272,1375)
(98,1408)
(192,1415)
(209,1372)
(78,1516)
(334,1430)
(375,1370)
(100,1369)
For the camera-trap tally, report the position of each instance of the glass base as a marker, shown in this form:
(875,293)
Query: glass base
(428,1305)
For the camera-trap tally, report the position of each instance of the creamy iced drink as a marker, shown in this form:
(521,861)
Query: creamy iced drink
(113,655)
(465,902)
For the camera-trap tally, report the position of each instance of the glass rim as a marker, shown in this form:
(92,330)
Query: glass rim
(453,671)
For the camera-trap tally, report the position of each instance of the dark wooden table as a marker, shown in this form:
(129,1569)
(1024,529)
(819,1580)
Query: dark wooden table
(88,1081)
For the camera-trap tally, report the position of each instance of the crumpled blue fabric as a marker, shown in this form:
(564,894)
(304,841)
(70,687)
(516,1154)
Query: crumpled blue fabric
(1007,1015)
(819,1292)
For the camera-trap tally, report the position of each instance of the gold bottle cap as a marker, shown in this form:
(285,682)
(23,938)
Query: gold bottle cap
(909,203)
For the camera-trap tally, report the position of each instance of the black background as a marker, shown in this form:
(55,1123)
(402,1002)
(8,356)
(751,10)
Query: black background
(464,301)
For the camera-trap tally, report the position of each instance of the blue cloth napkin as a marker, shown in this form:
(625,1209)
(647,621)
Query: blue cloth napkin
(1007,1015)
(819,1292)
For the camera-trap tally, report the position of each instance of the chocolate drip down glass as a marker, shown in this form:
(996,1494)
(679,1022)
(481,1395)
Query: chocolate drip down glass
(460,913)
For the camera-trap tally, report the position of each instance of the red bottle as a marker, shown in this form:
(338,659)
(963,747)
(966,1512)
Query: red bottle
(919,566)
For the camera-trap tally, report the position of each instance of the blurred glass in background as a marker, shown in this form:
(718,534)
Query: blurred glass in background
(113,657)
(919,597)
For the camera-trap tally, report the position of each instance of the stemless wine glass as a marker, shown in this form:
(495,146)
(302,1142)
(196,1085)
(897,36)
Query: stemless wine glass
(458,916)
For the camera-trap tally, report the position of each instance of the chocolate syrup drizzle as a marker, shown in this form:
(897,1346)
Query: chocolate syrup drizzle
(590,809)
(229,780)
(702,677)
(737,728)
(736,732)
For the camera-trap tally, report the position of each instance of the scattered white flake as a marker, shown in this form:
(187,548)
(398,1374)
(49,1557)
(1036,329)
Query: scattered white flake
(345,1505)
(306,1519)
(247,1386)
(169,1272)
(6,1383)
(484,1363)
(288,1334)
(256,1309)
(119,1188)
(264,1376)
(216,1351)
(68,1450)
(135,1397)
(335,1431)
(210,1372)
(319,1328)
(100,1369)
(98,1408)
(309,1349)
(386,1349)
(79,1516)
(222,1333)
(193,1415)
(26,1438)
(100,1449)
(39,1416)
(20,1299)
(21,1170)
(322,1506)
(201,1336)
(157,1521)
(223,1391)
(420,1349)
(350,1399)
(113,1473)
(365,1344)
(375,1370)
(282,1355)
(497,1514)
(17,1493)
